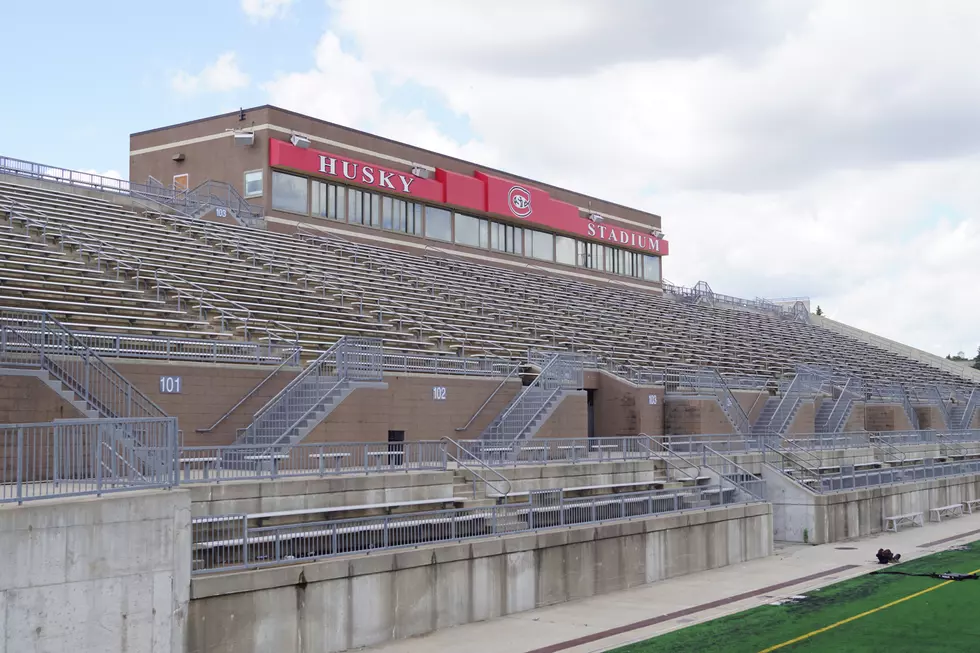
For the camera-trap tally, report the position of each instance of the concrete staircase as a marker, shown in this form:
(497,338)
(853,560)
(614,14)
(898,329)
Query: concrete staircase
(822,414)
(57,386)
(761,425)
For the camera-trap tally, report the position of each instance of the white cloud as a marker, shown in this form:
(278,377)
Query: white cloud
(221,76)
(826,147)
(259,10)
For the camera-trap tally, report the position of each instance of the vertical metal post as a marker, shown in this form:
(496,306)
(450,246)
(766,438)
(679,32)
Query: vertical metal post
(20,465)
(98,461)
(56,472)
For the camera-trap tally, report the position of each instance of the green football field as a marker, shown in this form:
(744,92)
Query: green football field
(903,614)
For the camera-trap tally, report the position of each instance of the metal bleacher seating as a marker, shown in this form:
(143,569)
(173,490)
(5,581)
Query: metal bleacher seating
(98,264)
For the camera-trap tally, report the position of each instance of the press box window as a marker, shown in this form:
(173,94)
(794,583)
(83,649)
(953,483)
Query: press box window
(651,268)
(438,224)
(253,183)
(327,201)
(363,208)
(471,231)
(506,238)
(565,250)
(540,245)
(399,215)
(289,193)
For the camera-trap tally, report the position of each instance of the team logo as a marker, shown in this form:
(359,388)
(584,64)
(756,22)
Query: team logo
(519,199)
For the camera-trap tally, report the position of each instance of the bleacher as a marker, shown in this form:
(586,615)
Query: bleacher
(167,275)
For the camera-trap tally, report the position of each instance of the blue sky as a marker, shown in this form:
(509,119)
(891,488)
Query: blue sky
(94,72)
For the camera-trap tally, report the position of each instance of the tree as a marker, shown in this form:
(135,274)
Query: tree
(976,359)
(819,310)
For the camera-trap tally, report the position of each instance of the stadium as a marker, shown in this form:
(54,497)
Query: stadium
(297,387)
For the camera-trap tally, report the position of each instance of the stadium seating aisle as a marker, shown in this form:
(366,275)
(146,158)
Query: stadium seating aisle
(320,288)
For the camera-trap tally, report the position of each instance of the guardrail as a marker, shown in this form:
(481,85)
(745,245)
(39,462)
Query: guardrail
(81,457)
(36,340)
(256,461)
(228,542)
(542,451)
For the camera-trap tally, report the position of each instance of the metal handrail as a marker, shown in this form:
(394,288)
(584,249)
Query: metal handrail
(969,409)
(792,394)
(782,457)
(705,450)
(650,441)
(248,396)
(83,352)
(493,394)
(876,442)
(483,464)
(298,379)
(740,420)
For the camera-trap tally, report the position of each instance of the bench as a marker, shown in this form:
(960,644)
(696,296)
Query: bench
(694,481)
(897,521)
(386,508)
(952,510)
(970,504)
(338,456)
(594,490)
(205,461)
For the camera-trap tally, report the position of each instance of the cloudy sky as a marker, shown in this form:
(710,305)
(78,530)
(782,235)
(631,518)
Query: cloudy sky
(828,148)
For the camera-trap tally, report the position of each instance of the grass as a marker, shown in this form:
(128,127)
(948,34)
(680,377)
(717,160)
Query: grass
(941,620)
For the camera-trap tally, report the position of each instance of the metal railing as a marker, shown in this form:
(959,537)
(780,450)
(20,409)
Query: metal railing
(248,395)
(36,340)
(853,472)
(852,390)
(895,393)
(79,457)
(431,363)
(228,542)
(731,473)
(702,292)
(197,201)
(970,408)
(682,466)
(544,451)
(281,420)
(730,406)
(514,370)
(462,453)
(788,405)
(559,373)
(256,461)
(109,345)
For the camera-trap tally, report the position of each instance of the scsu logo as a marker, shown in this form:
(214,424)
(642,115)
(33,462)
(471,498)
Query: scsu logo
(519,199)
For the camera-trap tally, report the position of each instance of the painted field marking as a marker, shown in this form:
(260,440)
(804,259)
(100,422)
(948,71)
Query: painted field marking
(858,616)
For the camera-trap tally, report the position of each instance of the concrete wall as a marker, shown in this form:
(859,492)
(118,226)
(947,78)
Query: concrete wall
(208,391)
(838,516)
(803,421)
(886,417)
(96,575)
(622,408)
(346,603)
(294,494)
(408,404)
(569,420)
(685,415)
(26,399)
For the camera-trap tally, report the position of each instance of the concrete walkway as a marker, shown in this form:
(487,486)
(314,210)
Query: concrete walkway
(604,622)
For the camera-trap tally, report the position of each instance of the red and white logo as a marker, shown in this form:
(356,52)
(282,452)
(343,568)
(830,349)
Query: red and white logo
(519,199)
